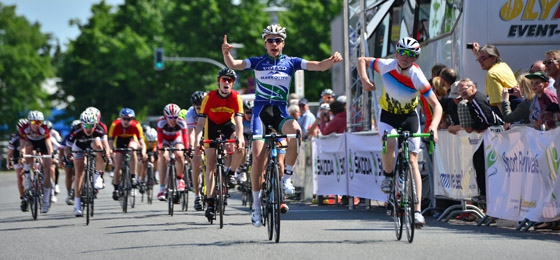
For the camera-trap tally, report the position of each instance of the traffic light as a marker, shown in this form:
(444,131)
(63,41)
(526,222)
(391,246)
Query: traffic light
(159,56)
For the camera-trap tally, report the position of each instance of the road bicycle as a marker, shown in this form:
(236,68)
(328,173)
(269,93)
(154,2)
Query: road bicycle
(221,189)
(272,194)
(35,194)
(88,190)
(150,180)
(126,191)
(173,194)
(187,173)
(403,195)
(246,187)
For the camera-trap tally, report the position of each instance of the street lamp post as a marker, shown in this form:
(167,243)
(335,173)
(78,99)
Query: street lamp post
(273,11)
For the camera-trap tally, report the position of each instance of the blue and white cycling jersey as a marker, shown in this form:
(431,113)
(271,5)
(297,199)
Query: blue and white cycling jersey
(191,118)
(273,77)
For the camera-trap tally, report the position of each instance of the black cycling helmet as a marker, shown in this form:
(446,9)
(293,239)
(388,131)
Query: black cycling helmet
(227,72)
(197,96)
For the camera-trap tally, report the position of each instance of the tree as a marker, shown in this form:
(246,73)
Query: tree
(25,63)
(110,65)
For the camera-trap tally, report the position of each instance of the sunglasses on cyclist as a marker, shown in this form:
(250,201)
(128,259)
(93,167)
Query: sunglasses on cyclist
(226,80)
(126,118)
(275,40)
(172,117)
(36,122)
(88,126)
(197,107)
(407,53)
(248,112)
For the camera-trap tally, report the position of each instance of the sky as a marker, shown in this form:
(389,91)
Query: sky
(53,15)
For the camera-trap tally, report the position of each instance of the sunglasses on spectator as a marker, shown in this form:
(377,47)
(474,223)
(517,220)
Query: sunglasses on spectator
(481,59)
(126,118)
(88,126)
(172,117)
(275,40)
(547,62)
(36,122)
(226,80)
(407,53)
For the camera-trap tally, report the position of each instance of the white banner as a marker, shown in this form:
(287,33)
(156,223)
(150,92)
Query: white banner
(329,158)
(522,166)
(454,174)
(364,159)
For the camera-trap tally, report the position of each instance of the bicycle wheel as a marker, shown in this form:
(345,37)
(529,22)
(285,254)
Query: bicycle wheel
(132,196)
(410,198)
(396,212)
(86,193)
(150,183)
(171,189)
(276,194)
(220,194)
(33,195)
(267,203)
(125,188)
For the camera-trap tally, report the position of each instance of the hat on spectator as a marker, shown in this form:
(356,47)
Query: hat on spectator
(325,106)
(538,75)
(303,101)
(341,99)
(454,93)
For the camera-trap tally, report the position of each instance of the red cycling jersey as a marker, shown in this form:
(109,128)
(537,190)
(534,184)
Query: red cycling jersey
(167,133)
(221,109)
(118,131)
(27,133)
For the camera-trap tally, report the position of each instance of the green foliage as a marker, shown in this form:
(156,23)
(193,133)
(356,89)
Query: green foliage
(25,63)
(110,65)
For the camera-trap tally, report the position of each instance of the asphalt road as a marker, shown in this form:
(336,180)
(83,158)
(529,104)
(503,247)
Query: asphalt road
(307,232)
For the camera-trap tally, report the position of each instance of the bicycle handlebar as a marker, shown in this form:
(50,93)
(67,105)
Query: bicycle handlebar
(405,135)
(219,141)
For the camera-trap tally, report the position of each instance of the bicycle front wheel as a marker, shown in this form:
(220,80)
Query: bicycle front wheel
(150,183)
(86,195)
(276,195)
(171,189)
(125,187)
(34,199)
(220,194)
(410,197)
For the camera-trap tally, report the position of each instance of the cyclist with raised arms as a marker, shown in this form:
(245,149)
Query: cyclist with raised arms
(172,132)
(89,135)
(192,121)
(273,74)
(126,132)
(218,109)
(403,81)
(35,135)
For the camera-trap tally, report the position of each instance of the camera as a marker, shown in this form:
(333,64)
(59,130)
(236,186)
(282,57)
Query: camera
(470,46)
(510,90)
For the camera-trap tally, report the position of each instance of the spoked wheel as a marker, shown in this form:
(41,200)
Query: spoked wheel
(132,197)
(276,195)
(220,192)
(33,201)
(150,185)
(86,195)
(409,197)
(171,191)
(397,214)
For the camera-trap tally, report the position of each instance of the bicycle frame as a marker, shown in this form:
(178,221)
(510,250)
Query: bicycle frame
(272,194)
(172,191)
(403,196)
(219,184)
(35,193)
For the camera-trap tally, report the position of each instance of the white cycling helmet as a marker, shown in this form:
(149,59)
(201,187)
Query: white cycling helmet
(274,29)
(151,135)
(88,117)
(171,110)
(410,44)
(35,115)
(95,112)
